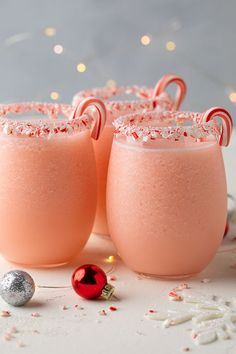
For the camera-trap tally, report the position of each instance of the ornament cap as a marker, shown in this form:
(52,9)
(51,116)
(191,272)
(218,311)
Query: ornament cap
(107,291)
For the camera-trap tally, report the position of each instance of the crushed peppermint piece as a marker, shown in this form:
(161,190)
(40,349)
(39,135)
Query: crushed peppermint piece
(21,344)
(185,349)
(173,296)
(8,336)
(14,330)
(112,278)
(35,314)
(139,333)
(5,313)
(78,307)
(182,286)
(205,280)
(152,311)
(113,308)
(64,307)
(102,313)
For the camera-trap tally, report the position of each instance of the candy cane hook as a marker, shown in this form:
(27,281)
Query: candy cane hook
(100,119)
(227,123)
(167,80)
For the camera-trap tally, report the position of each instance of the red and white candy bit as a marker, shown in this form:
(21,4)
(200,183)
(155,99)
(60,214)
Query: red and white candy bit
(173,296)
(35,314)
(181,287)
(100,119)
(5,313)
(167,80)
(113,308)
(102,313)
(227,123)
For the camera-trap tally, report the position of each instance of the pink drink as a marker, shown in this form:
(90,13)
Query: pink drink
(167,203)
(47,191)
(118,108)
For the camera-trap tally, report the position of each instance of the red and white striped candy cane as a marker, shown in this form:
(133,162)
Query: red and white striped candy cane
(167,80)
(100,119)
(227,123)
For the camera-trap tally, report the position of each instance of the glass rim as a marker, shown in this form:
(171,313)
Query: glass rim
(49,127)
(107,92)
(144,94)
(139,127)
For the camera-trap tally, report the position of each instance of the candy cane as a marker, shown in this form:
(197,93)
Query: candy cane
(164,82)
(227,123)
(100,119)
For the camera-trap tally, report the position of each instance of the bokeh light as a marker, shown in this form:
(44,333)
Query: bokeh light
(58,49)
(170,46)
(145,40)
(81,67)
(54,95)
(50,31)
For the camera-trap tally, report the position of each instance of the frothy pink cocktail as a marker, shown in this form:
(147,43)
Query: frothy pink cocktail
(166,196)
(47,185)
(149,99)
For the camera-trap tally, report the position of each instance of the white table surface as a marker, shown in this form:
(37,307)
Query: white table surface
(126,330)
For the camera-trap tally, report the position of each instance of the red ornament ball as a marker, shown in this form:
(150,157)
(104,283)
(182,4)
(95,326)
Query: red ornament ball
(90,282)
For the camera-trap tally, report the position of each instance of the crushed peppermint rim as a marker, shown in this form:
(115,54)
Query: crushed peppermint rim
(145,101)
(49,127)
(106,93)
(171,125)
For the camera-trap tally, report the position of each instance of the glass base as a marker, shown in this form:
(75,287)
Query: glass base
(166,277)
(28,265)
(102,235)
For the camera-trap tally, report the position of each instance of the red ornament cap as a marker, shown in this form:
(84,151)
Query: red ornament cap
(90,282)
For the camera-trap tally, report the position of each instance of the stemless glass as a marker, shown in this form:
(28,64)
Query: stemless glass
(166,190)
(149,99)
(47,181)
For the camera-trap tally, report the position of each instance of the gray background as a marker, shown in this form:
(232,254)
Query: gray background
(105,35)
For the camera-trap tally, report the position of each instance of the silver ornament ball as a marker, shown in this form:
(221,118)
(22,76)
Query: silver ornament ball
(17,287)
